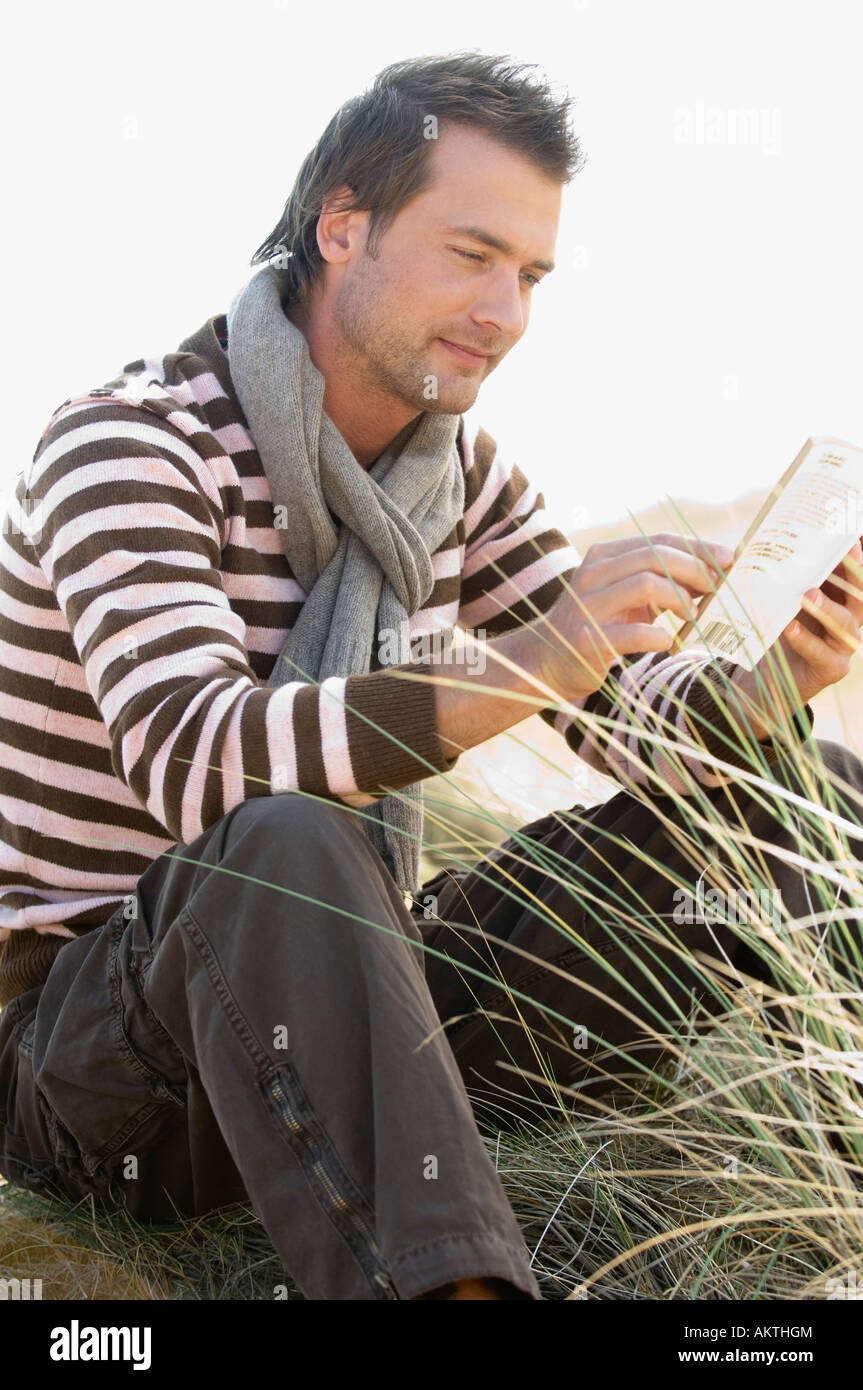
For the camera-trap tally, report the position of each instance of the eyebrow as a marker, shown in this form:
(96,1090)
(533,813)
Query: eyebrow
(487,239)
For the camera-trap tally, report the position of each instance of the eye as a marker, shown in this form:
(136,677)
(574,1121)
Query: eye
(476,256)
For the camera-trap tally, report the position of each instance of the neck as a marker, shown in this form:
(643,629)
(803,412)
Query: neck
(365,416)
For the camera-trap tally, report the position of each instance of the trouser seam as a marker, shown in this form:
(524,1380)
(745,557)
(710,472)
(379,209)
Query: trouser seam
(223,991)
(473,1237)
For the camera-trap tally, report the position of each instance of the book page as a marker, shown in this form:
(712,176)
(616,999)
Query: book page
(806,530)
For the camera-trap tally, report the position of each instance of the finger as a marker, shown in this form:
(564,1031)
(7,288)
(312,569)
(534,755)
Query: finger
(626,638)
(669,562)
(711,553)
(836,621)
(829,664)
(846,582)
(641,590)
(841,629)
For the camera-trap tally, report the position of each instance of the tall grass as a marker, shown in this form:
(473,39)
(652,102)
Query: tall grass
(732,1168)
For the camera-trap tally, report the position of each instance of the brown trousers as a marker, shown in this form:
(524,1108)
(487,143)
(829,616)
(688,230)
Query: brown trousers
(266,1021)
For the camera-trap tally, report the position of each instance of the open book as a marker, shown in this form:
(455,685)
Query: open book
(808,523)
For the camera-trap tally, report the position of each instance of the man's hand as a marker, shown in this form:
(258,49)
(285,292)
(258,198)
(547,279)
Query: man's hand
(817,644)
(618,591)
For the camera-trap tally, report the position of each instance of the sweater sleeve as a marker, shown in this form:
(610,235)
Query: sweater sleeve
(516,565)
(128,523)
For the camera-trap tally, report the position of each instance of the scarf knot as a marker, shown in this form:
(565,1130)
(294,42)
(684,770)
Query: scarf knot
(366,576)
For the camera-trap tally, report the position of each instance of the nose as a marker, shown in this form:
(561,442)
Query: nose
(501,307)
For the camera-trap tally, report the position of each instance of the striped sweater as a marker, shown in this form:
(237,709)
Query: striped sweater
(144,597)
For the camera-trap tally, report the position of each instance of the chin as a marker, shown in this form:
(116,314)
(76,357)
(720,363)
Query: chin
(451,403)
(456,396)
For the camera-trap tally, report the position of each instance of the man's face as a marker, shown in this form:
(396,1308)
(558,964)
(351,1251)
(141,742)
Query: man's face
(431,283)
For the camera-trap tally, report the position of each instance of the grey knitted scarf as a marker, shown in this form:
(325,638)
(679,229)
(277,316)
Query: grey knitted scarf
(364,579)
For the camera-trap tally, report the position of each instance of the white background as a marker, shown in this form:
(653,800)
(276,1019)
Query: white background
(705,315)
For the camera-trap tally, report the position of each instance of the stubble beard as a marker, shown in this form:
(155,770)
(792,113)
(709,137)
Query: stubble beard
(386,358)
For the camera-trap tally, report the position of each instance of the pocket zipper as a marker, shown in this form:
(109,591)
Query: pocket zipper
(342,1210)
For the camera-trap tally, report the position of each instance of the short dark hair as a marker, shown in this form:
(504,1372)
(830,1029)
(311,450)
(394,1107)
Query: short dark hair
(375,145)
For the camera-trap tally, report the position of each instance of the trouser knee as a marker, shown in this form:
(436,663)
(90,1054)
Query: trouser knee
(264,855)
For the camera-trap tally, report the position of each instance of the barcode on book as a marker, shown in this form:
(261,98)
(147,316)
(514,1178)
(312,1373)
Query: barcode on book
(722,636)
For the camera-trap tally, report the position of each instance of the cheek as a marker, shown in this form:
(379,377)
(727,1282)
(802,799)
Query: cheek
(417,302)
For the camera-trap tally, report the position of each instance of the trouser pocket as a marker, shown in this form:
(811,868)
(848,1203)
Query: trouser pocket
(25,1151)
(104,1071)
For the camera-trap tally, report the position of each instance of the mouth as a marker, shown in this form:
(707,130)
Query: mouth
(475,358)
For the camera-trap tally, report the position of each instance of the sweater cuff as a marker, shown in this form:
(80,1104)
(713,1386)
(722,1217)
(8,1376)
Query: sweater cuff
(715,729)
(392,729)
(26,957)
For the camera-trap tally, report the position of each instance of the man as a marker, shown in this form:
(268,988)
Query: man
(216,989)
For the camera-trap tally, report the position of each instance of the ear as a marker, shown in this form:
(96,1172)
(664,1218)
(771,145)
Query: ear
(338,232)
